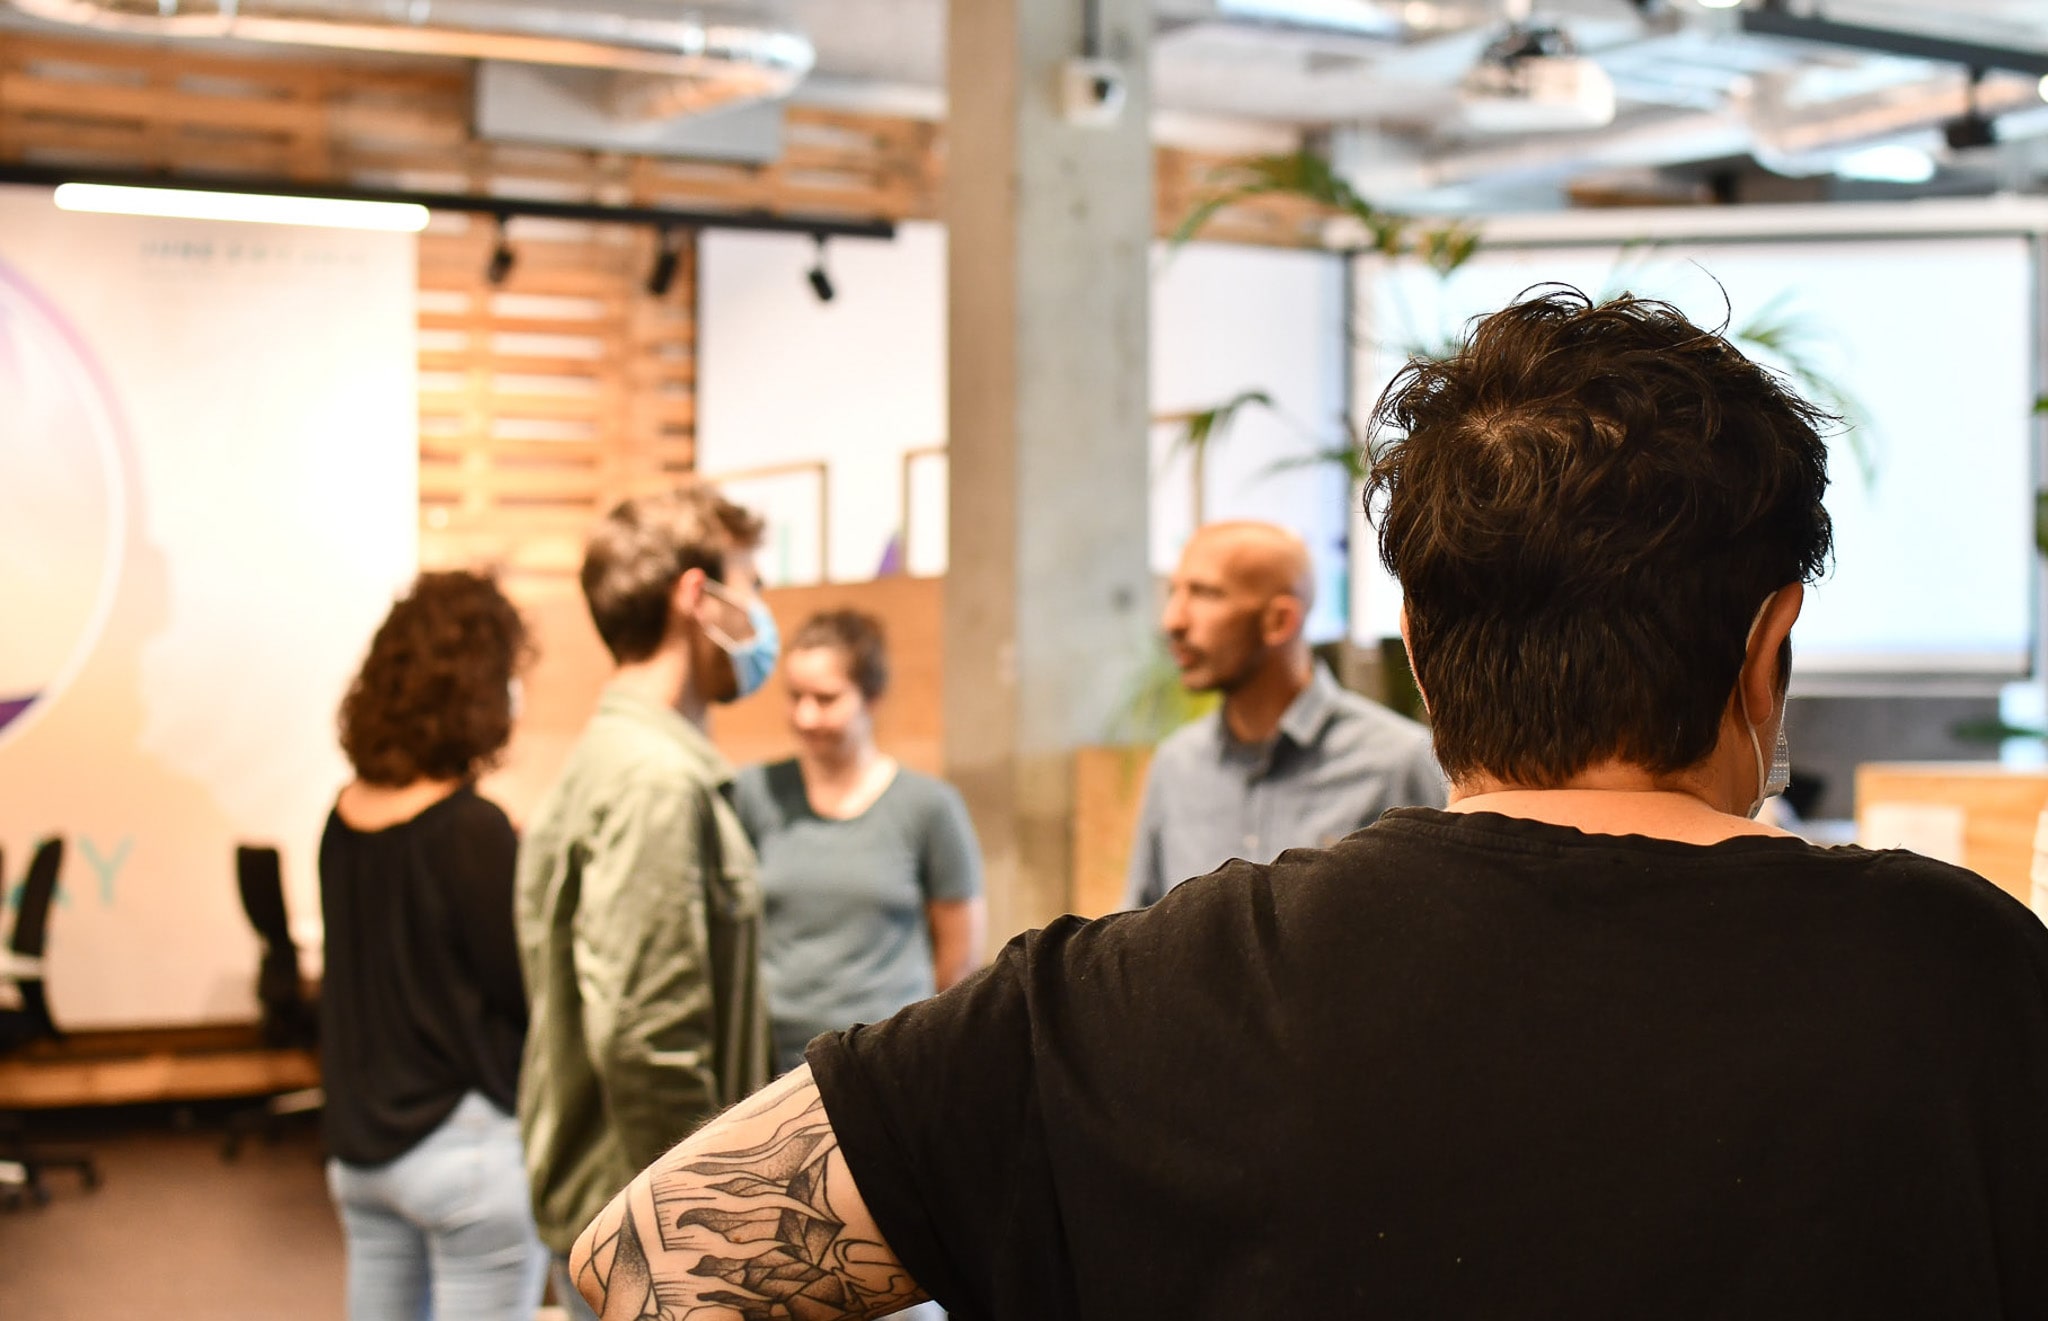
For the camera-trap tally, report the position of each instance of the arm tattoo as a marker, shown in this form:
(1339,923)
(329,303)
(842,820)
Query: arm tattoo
(744,1234)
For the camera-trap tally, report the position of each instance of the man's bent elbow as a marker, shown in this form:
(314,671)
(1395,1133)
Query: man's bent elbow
(584,1275)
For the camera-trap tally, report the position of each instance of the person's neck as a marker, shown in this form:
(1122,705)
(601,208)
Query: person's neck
(366,806)
(664,680)
(1252,710)
(1615,798)
(841,786)
(839,767)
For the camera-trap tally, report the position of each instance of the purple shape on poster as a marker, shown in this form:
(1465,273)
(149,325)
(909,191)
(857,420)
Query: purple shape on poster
(12,708)
(892,558)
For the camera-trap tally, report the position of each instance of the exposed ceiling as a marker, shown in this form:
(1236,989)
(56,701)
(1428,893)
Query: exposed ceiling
(1697,101)
(1382,76)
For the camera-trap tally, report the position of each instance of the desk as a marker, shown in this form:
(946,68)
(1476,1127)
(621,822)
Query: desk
(2000,809)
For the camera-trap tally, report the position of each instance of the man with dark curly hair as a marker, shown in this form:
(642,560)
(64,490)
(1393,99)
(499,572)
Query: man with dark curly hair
(639,916)
(1590,1042)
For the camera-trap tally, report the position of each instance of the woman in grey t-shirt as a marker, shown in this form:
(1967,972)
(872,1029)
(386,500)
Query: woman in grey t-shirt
(870,872)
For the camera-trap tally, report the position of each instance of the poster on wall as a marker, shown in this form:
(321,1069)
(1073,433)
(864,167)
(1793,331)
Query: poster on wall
(208,497)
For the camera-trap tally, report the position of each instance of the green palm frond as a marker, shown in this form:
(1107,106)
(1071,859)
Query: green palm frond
(1352,459)
(1782,333)
(1202,427)
(1305,175)
(1156,702)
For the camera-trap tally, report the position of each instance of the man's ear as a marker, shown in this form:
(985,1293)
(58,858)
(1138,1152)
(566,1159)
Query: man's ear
(1757,687)
(1286,617)
(686,596)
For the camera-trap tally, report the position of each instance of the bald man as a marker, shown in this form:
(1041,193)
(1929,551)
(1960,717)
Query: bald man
(1290,759)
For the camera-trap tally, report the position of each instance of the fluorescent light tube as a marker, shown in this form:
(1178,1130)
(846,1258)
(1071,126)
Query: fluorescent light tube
(256,208)
(1888,163)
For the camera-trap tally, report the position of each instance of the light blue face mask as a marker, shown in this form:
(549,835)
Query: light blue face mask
(753,660)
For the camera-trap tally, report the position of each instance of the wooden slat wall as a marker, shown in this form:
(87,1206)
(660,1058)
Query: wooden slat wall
(547,399)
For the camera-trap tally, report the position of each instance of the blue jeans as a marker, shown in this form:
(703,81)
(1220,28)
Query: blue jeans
(571,1302)
(446,1230)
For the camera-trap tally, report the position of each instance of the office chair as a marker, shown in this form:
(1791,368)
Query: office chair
(22,1162)
(290,1020)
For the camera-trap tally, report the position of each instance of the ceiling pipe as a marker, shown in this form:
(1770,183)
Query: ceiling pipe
(1774,20)
(707,62)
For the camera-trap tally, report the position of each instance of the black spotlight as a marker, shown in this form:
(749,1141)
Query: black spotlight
(666,261)
(1972,128)
(503,259)
(821,280)
(1968,131)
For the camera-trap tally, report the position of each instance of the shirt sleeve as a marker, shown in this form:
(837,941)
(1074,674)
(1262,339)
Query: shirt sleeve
(936,1113)
(641,965)
(481,880)
(950,856)
(1145,882)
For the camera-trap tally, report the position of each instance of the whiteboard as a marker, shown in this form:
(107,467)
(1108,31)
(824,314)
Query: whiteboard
(1932,337)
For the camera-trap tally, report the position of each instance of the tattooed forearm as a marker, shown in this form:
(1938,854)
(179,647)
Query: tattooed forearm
(754,1218)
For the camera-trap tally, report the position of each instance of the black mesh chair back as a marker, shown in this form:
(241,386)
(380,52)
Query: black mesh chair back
(288,1020)
(261,878)
(31,936)
(32,919)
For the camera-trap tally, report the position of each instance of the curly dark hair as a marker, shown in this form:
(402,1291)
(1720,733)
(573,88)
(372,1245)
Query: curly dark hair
(855,635)
(432,699)
(1586,508)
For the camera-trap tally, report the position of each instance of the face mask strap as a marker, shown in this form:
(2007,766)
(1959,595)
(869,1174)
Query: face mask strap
(1768,780)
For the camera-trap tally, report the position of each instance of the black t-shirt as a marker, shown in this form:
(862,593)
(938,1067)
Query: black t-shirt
(1470,1066)
(421,1000)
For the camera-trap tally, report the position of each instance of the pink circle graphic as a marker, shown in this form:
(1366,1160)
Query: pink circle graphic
(63,501)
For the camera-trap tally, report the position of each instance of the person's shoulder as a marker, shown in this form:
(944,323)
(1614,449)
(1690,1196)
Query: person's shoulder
(1921,885)
(1376,717)
(617,756)
(755,783)
(920,792)
(764,793)
(1360,725)
(1195,742)
(470,813)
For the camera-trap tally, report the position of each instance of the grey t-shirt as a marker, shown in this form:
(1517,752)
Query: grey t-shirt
(845,937)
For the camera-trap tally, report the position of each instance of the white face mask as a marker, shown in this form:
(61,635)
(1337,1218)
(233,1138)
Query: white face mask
(1772,781)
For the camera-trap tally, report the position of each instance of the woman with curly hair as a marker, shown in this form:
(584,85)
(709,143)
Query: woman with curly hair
(422,1013)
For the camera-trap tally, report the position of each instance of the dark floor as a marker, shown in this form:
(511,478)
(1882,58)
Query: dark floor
(174,1231)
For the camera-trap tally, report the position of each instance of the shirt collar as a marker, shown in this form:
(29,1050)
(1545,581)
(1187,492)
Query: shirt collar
(1312,708)
(668,721)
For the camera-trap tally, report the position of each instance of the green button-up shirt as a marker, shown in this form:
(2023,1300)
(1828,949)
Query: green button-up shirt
(639,938)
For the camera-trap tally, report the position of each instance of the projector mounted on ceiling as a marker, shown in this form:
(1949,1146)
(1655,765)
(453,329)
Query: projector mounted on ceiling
(1533,80)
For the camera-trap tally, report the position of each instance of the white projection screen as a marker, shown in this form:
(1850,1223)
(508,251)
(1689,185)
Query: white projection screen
(1932,338)
(208,497)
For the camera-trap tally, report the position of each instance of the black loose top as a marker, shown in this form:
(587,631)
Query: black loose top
(421,1000)
(1475,1067)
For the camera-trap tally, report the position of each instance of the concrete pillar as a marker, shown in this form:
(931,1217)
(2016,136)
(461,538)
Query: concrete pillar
(1048,593)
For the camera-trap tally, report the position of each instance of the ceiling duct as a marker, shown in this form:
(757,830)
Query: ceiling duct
(670,60)
(1794,138)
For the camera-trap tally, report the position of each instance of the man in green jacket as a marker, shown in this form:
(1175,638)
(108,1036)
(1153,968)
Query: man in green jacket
(638,913)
